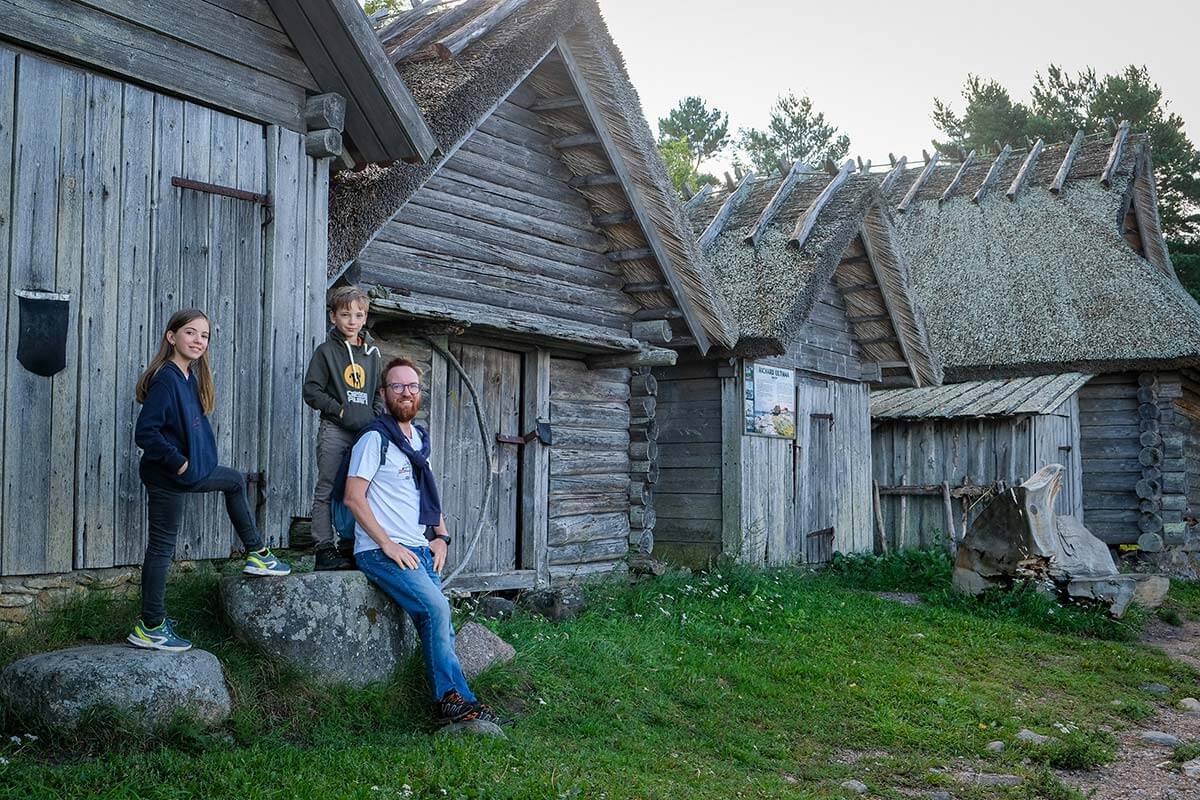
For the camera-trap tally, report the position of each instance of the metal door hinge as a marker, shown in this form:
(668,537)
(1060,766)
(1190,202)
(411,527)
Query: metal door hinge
(541,432)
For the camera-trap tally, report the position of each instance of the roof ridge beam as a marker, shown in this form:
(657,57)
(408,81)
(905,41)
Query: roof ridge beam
(808,219)
(992,174)
(958,176)
(781,194)
(1065,168)
(731,204)
(1026,169)
(1114,154)
(699,197)
(893,175)
(918,183)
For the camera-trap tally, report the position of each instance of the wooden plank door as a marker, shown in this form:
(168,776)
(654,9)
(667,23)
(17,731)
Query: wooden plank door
(496,376)
(814,471)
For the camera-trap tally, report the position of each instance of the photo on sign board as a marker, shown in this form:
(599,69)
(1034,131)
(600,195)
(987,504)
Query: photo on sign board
(770,401)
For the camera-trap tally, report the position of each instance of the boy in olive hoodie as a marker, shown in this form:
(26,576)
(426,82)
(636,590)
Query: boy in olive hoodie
(342,383)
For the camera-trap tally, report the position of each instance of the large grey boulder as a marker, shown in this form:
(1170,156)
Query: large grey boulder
(478,648)
(335,627)
(56,689)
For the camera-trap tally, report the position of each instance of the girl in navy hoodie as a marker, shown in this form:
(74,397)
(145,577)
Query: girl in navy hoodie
(179,457)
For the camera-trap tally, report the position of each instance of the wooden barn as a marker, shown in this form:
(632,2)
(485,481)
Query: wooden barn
(1051,299)
(545,252)
(764,449)
(158,156)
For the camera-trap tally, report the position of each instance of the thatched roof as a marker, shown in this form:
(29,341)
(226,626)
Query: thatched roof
(1039,394)
(456,95)
(772,286)
(1047,282)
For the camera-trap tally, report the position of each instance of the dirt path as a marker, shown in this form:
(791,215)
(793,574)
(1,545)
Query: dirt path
(1144,771)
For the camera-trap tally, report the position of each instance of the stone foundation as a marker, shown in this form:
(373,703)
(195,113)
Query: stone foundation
(21,595)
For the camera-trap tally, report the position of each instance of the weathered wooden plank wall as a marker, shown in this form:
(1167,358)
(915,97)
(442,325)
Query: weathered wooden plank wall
(89,178)
(1108,431)
(688,495)
(930,452)
(1188,407)
(589,469)
(230,55)
(499,228)
(825,344)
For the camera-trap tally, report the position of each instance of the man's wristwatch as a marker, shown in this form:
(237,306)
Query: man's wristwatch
(445,537)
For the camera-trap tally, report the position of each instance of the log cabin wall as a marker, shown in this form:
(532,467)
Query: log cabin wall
(231,54)
(88,173)
(1188,407)
(928,453)
(499,228)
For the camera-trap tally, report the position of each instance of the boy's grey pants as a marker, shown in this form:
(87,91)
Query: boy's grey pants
(333,442)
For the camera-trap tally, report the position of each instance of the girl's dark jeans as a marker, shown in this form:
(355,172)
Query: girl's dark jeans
(165,501)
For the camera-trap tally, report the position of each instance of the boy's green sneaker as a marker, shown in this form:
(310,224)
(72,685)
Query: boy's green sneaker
(162,637)
(264,562)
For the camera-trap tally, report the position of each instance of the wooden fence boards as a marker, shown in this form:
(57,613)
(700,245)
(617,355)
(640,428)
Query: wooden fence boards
(8,87)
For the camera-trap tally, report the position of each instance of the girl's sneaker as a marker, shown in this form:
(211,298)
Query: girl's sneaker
(264,562)
(162,637)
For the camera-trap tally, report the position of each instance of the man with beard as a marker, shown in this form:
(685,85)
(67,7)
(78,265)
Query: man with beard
(400,537)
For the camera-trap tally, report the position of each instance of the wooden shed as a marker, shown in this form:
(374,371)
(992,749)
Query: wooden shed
(543,250)
(764,448)
(157,156)
(1043,263)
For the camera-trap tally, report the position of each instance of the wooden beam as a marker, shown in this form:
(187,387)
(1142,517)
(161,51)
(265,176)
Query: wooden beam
(657,313)
(893,175)
(454,43)
(893,364)
(992,174)
(556,103)
(869,318)
(870,247)
(1114,154)
(1026,169)
(426,36)
(646,357)
(958,176)
(918,183)
(735,199)
(880,340)
(1065,168)
(616,218)
(859,287)
(683,341)
(647,220)
(699,197)
(323,111)
(777,199)
(649,286)
(808,219)
(656,331)
(630,255)
(578,140)
(598,179)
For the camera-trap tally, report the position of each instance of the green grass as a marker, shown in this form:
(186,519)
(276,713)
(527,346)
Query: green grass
(733,683)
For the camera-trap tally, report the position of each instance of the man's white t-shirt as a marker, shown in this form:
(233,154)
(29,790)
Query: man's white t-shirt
(392,494)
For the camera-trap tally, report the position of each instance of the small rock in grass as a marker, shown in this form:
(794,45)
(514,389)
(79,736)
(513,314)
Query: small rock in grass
(995,747)
(1190,704)
(1029,737)
(556,605)
(858,787)
(1160,738)
(478,648)
(1191,768)
(940,794)
(1155,688)
(472,727)
(495,608)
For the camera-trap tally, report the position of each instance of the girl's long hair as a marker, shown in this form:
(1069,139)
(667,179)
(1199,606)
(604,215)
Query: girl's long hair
(200,368)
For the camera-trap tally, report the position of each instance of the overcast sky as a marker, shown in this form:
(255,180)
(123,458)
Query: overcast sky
(874,68)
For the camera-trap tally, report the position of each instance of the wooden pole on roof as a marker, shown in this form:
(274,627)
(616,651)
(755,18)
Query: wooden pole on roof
(425,37)
(968,160)
(891,159)
(729,181)
(918,183)
(781,194)
(808,219)
(698,198)
(864,168)
(897,170)
(1114,155)
(1026,169)
(735,199)
(454,43)
(992,174)
(1065,168)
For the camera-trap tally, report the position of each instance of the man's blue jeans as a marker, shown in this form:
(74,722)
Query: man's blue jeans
(419,592)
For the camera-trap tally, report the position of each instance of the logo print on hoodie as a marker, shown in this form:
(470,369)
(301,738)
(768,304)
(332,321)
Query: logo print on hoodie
(354,376)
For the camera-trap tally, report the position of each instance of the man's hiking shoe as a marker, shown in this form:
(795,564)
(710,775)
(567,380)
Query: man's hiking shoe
(162,637)
(264,562)
(328,558)
(454,708)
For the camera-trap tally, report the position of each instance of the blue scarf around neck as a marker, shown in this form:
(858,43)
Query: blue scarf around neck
(427,491)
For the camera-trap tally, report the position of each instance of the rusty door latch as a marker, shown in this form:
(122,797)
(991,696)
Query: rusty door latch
(541,432)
